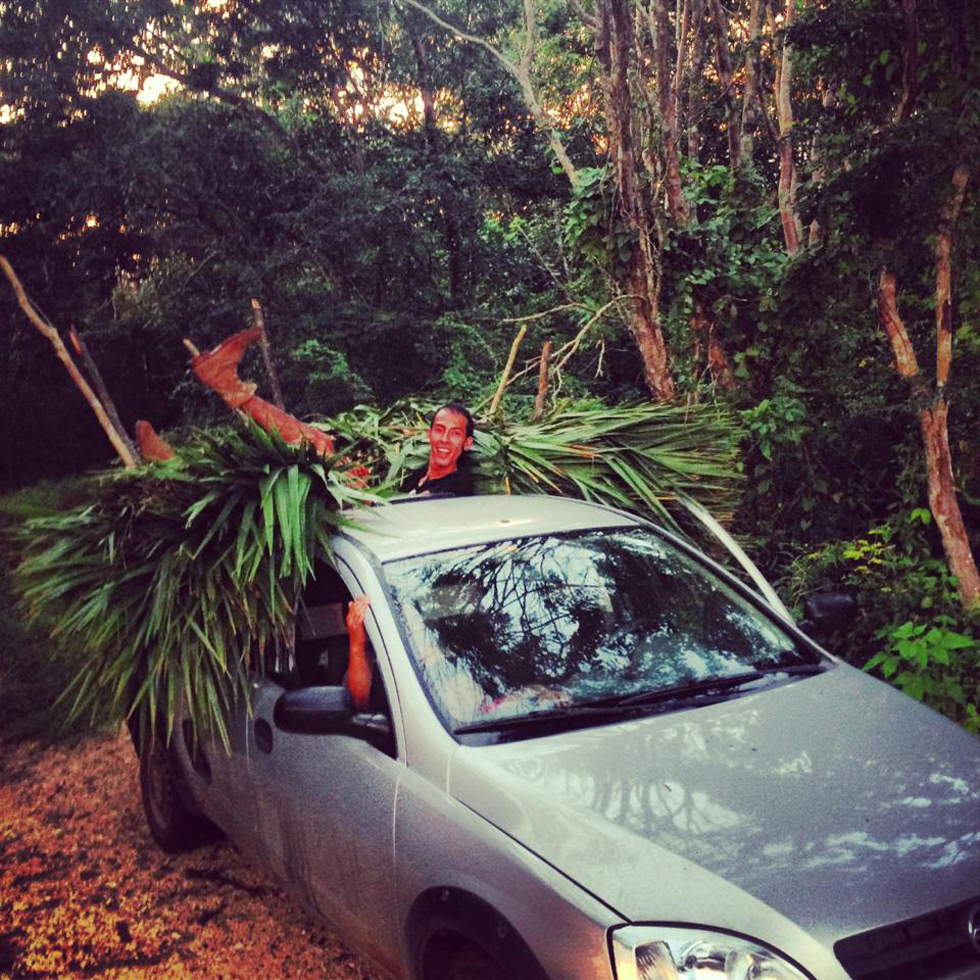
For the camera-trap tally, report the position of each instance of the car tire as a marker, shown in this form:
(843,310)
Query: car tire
(174,826)
(478,945)
(472,963)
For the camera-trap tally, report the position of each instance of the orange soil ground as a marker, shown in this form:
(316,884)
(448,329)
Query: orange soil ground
(85,892)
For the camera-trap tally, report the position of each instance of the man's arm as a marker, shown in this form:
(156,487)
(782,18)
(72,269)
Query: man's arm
(359,672)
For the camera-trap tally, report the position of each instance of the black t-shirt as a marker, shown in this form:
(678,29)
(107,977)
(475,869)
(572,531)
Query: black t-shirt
(459,483)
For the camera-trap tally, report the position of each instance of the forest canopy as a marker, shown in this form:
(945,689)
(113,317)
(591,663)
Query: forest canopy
(763,204)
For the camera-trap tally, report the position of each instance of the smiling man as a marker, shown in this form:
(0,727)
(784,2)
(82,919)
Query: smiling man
(450,437)
(448,471)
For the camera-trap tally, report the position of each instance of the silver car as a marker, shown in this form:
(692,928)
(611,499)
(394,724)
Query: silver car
(589,753)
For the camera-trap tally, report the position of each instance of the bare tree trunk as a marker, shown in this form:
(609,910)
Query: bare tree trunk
(65,357)
(667,98)
(910,61)
(695,76)
(726,78)
(942,488)
(933,412)
(614,43)
(752,93)
(818,226)
(792,228)
(944,504)
(703,333)
(645,324)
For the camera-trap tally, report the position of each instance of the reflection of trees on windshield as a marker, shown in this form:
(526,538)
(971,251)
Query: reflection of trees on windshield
(592,614)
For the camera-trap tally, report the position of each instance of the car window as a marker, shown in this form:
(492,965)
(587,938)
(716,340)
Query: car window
(549,621)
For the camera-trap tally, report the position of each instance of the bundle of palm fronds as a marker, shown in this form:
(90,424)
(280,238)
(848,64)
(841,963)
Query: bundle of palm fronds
(639,456)
(176,580)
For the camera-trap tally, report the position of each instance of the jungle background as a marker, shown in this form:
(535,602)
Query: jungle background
(762,205)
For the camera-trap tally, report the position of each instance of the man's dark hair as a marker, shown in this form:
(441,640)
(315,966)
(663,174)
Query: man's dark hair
(459,410)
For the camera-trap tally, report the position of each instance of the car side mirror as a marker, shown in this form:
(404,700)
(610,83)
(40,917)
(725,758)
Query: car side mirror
(330,711)
(313,710)
(827,612)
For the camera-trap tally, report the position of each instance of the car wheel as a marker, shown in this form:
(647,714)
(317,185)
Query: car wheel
(174,826)
(471,963)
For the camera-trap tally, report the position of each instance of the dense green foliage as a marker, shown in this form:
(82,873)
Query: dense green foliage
(34,672)
(383,189)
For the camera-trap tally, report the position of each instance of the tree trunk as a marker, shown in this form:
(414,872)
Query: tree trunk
(667,100)
(703,332)
(696,77)
(613,41)
(792,229)
(910,61)
(451,236)
(944,505)
(751,95)
(258,318)
(943,501)
(726,78)
(541,399)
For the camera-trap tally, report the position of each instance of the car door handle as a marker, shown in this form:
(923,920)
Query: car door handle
(263,735)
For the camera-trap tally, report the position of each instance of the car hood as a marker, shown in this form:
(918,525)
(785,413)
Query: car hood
(834,801)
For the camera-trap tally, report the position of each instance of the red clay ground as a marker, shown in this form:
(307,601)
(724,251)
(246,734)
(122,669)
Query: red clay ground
(85,892)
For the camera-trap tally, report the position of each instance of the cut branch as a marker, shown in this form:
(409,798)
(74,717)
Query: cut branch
(561,357)
(539,401)
(495,404)
(103,392)
(259,320)
(49,331)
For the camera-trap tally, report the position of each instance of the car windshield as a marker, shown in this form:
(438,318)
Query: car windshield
(605,617)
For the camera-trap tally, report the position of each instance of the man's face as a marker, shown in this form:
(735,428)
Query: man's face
(448,439)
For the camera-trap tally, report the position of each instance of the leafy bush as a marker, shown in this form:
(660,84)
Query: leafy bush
(936,665)
(912,629)
(33,672)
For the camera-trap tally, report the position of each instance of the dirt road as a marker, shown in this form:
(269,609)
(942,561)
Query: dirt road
(85,892)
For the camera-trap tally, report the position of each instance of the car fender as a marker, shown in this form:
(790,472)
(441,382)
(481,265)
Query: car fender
(452,865)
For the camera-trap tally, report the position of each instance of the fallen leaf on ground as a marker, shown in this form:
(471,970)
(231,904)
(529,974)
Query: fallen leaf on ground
(85,892)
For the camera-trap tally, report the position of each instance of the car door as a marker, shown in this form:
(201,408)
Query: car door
(216,773)
(324,811)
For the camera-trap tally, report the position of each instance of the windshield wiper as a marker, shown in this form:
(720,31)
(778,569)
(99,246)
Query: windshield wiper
(698,693)
(542,715)
(712,685)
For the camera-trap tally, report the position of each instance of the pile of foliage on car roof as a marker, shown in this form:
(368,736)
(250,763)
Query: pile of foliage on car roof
(174,580)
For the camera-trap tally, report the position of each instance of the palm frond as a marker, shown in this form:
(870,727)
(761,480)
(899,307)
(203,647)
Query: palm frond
(180,578)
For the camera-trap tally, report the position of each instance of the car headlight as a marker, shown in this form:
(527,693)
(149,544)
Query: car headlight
(669,953)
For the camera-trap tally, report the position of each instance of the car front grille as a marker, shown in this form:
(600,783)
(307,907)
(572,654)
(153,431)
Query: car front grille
(930,947)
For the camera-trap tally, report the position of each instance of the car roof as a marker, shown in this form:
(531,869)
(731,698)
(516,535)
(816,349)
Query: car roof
(422,525)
